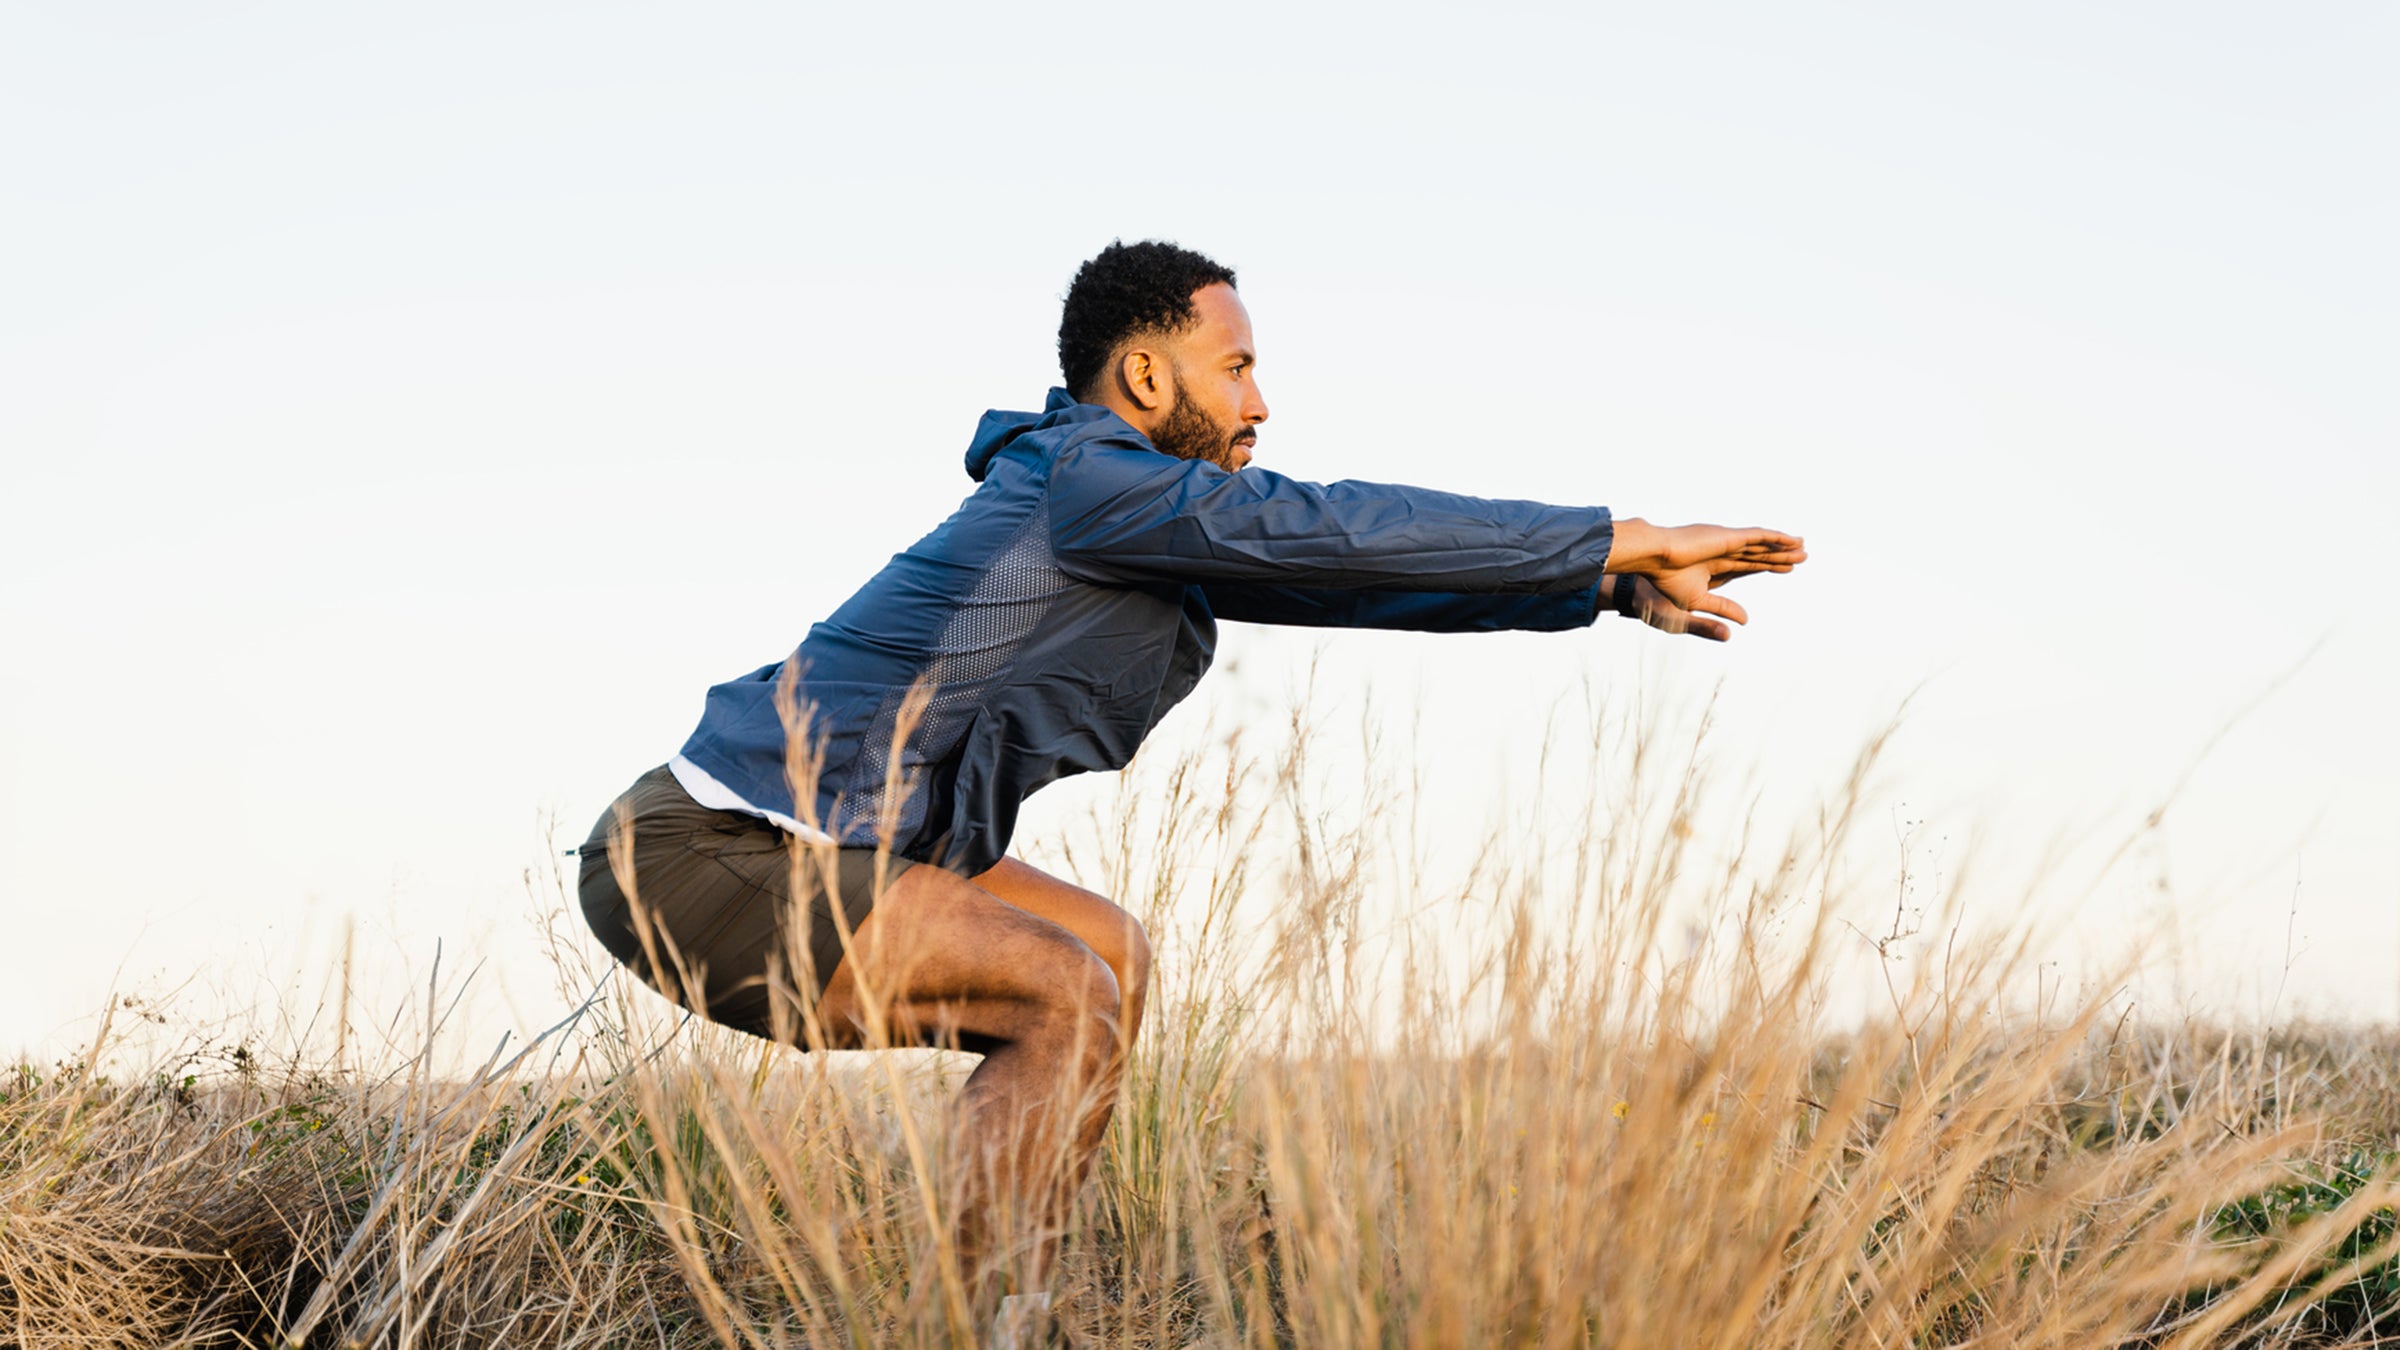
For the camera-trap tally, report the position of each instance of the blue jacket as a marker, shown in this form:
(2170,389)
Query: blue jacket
(1073,598)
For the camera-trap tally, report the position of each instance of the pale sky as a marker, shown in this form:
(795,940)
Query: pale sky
(407,414)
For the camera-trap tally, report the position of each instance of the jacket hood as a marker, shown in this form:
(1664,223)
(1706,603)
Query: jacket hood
(999,429)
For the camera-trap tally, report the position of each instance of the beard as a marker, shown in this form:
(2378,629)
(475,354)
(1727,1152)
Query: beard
(1188,433)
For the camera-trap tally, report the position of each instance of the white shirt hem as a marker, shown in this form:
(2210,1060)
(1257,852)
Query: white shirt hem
(706,790)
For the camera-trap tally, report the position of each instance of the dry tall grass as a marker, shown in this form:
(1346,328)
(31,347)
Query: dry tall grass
(1595,1094)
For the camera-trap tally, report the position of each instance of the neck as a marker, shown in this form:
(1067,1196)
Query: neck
(1116,402)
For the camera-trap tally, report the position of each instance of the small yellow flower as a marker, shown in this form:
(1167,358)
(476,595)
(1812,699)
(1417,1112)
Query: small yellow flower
(1708,1121)
(1621,1110)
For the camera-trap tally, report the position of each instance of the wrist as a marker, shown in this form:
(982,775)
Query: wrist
(1637,546)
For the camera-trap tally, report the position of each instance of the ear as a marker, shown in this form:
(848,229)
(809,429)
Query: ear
(1142,374)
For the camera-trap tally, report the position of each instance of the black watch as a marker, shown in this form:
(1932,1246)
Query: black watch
(1621,597)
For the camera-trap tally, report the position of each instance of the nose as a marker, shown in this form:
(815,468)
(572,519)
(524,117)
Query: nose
(1254,404)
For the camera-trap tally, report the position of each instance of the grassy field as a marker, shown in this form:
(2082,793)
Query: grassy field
(1602,1090)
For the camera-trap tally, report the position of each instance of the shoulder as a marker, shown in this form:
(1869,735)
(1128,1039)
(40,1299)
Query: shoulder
(1099,457)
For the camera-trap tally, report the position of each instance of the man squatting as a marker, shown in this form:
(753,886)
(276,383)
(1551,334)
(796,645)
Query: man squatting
(1041,631)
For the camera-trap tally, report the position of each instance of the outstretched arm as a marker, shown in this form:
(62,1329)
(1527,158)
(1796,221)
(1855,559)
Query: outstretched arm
(1127,515)
(1629,592)
(1131,516)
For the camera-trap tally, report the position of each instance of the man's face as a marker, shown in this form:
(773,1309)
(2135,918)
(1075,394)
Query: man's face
(1217,406)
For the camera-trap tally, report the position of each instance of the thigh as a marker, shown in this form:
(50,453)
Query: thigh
(1099,922)
(940,959)
(773,952)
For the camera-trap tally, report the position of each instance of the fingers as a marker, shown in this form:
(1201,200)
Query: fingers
(1721,606)
(1663,613)
(1726,569)
(1682,598)
(1756,540)
(1716,545)
(1667,617)
(1761,548)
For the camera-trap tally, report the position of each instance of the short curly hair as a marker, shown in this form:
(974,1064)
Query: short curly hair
(1128,289)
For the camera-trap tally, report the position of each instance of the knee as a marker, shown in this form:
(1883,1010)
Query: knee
(1086,1003)
(1091,985)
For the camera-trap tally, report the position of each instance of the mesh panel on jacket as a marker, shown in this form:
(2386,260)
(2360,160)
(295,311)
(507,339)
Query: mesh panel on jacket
(976,644)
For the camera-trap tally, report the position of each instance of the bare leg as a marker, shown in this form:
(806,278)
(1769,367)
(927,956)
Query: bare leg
(1116,937)
(1112,934)
(940,960)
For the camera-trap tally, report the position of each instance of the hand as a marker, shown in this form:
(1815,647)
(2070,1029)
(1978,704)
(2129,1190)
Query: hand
(1685,565)
(1656,610)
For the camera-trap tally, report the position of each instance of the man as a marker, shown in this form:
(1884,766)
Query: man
(1043,630)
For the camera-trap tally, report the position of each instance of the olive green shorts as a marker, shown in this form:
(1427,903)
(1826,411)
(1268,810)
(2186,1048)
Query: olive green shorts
(719,888)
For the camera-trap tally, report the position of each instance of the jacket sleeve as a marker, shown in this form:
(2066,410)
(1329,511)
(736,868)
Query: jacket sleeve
(1129,515)
(1421,611)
